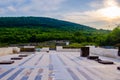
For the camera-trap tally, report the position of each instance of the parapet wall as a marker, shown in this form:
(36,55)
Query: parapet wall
(15,49)
(113,53)
(9,50)
(69,50)
(61,49)
(5,51)
(44,49)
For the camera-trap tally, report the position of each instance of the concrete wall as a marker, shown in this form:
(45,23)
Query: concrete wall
(29,47)
(113,53)
(15,49)
(60,49)
(9,50)
(5,51)
(44,49)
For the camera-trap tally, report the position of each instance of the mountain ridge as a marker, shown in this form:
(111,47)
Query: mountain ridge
(41,22)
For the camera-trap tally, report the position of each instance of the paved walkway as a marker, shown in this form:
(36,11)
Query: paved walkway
(58,66)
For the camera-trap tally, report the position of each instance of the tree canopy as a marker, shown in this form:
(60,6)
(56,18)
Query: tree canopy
(16,30)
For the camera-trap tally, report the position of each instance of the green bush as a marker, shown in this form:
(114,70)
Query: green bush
(73,45)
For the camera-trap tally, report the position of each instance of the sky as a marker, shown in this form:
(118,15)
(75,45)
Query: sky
(100,14)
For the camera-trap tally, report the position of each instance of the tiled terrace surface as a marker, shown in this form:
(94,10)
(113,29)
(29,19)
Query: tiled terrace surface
(58,66)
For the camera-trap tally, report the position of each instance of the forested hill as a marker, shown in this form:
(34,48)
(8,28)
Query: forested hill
(41,22)
(17,30)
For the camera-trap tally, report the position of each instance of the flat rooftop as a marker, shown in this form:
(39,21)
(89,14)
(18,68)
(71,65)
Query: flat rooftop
(58,66)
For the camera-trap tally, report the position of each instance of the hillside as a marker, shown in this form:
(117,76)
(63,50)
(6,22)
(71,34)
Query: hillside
(18,30)
(41,22)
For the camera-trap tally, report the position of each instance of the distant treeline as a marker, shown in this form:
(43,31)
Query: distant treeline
(36,35)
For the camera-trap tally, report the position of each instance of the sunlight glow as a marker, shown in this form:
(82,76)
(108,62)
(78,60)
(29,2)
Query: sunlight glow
(111,12)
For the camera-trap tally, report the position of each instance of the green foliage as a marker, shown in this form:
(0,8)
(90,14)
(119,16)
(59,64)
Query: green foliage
(89,43)
(114,37)
(73,45)
(17,30)
(35,35)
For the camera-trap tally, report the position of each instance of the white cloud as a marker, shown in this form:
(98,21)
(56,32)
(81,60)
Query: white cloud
(11,8)
(30,6)
(109,14)
(96,4)
(6,3)
(2,11)
(110,3)
(43,5)
(97,17)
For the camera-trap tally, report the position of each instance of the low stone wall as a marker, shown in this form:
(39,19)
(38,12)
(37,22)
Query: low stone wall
(113,53)
(44,49)
(5,51)
(15,49)
(61,49)
(69,50)
(9,50)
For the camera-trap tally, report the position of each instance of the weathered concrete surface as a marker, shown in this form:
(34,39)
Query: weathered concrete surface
(58,66)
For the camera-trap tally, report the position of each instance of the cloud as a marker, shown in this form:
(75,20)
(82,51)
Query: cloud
(30,6)
(97,16)
(1,10)
(5,3)
(96,4)
(11,8)
(102,17)
(42,5)
(110,3)
(45,8)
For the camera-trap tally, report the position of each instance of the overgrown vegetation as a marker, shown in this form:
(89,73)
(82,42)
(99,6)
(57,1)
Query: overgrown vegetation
(114,37)
(33,30)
